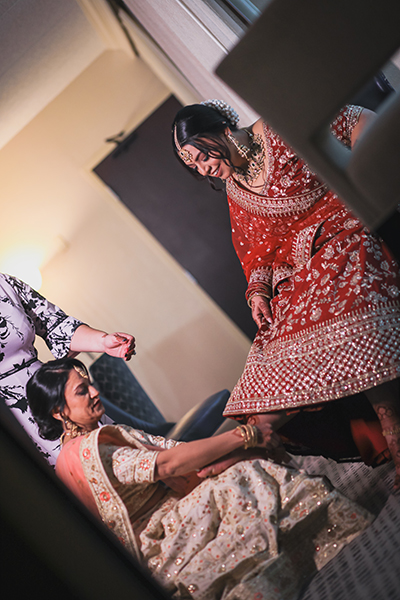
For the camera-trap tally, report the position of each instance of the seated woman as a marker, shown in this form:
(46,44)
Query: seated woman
(257,530)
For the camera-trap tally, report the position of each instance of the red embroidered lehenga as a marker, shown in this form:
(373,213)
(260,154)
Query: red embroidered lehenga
(335,288)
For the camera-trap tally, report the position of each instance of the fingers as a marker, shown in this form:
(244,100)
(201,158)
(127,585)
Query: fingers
(205,472)
(129,341)
(261,311)
(261,320)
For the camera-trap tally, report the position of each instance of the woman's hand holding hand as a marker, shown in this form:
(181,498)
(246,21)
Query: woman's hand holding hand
(119,344)
(269,439)
(183,484)
(227,461)
(260,310)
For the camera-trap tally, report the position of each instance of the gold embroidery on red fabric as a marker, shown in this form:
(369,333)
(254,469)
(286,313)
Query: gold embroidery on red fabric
(280,273)
(274,207)
(302,244)
(261,275)
(344,123)
(340,357)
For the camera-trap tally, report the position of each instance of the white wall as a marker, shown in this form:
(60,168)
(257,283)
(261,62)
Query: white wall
(44,45)
(112,273)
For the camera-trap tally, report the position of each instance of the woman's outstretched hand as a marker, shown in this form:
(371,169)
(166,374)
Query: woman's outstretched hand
(87,339)
(119,344)
(269,446)
(261,311)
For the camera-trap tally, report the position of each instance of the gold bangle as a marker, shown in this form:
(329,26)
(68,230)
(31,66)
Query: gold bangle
(254,435)
(243,433)
(257,294)
(393,431)
(249,434)
(248,437)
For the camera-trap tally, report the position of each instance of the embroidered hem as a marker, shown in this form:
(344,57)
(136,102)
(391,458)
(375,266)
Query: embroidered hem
(344,356)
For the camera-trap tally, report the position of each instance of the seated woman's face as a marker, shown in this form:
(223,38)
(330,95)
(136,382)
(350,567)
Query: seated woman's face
(82,402)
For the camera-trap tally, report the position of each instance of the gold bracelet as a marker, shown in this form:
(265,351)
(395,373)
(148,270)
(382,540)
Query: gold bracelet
(243,433)
(393,431)
(257,294)
(255,435)
(249,434)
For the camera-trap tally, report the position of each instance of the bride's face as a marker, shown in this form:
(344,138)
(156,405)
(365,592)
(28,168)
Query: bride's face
(207,165)
(82,402)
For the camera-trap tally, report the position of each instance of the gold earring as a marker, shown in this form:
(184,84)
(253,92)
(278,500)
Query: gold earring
(243,150)
(71,429)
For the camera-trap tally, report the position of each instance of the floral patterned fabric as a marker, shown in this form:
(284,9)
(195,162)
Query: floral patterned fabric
(257,531)
(24,314)
(335,288)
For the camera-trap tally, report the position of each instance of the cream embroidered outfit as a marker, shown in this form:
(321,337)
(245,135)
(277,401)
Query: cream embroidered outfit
(258,530)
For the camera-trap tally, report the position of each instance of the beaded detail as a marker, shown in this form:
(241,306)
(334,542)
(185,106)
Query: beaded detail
(224,109)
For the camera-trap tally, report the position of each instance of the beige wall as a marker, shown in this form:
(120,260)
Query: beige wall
(112,274)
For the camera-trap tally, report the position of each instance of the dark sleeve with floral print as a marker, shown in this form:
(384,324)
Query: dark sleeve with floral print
(50,322)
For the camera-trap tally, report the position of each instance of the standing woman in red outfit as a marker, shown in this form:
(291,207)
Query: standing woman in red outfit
(324,367)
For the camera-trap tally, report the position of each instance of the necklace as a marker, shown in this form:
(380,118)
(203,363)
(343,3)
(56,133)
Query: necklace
(256,160)
(71,431)
(70,435)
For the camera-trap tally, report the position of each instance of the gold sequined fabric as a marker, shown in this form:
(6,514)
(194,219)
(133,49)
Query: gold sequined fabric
(258,530)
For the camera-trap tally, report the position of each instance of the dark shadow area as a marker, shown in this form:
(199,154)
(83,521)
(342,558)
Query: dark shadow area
(187,217)
(51,545)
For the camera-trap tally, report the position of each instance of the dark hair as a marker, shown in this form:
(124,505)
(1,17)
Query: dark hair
(201,126)
(45,391)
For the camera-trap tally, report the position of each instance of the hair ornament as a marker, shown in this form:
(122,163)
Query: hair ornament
(185,155)
(81,372)
(224,109)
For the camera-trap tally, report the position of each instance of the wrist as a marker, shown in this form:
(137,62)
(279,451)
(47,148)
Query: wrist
(102,341)
(249,435)
(262,294)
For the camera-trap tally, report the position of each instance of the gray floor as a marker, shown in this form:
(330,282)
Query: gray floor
(369,567)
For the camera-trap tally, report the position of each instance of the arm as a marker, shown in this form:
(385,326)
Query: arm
(275,449)
(64,334)
(150,465)
(195,455)
(366,118)
(87,339)
(49,321)
(256,260)
(350,123)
